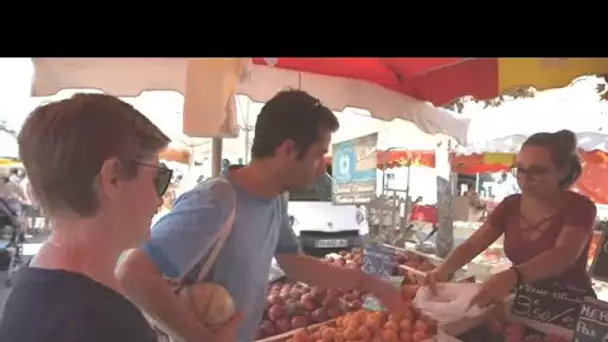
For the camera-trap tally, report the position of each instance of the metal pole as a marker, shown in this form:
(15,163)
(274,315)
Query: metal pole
(247,131)
(407,190)
(216,156)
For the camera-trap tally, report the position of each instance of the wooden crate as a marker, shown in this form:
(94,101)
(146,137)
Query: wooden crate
(289,334)
(312,328)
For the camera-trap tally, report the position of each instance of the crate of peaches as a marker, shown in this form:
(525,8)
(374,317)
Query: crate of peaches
(410,264)
(363,326)
(499,325)
(293,306)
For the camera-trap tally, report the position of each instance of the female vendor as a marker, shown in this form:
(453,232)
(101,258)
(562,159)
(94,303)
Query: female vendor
(546,228)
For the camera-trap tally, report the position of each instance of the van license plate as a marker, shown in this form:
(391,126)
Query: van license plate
(331,243)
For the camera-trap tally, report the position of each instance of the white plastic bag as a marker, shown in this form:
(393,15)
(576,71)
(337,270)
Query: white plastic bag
(451,302)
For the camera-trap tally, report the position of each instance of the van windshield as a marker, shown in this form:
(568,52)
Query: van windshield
(317,191)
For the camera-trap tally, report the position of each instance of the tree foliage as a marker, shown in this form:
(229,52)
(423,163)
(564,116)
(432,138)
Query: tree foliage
(5,128)
(602,88)
(458,105)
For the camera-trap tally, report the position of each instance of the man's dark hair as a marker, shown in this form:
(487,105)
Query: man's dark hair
(14,171)
(291,115)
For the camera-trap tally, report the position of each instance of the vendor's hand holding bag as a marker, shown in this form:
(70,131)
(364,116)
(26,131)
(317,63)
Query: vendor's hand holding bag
(210,303)
(451,303)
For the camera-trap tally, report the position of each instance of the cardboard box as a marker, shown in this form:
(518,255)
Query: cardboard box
(449,332)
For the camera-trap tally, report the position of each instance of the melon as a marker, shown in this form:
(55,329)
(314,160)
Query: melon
(211,303)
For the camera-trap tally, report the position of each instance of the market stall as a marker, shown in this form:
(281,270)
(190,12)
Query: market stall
(499,155)
(296,310)
(209,86)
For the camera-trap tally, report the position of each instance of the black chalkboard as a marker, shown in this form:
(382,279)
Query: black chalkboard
(592,324)
(599,267)
(378,260)
(548,302)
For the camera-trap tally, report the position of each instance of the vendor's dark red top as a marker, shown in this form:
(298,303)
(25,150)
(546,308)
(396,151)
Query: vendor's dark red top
(579,212)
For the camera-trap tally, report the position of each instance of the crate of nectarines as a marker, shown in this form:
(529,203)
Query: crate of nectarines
(371,326)
(363,326)
(499,325)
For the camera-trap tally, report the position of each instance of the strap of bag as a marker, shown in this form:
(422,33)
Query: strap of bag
(214,247)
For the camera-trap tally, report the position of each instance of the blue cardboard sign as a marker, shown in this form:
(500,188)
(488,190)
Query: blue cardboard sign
(354,170)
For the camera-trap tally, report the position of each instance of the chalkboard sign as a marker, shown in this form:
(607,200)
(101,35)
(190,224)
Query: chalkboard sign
(547,302)
(592,324)
(599,267)
(380,262)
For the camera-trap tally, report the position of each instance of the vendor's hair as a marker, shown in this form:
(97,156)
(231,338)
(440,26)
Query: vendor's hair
(562,145)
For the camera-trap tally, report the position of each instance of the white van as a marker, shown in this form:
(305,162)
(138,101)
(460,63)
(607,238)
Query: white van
(321,226)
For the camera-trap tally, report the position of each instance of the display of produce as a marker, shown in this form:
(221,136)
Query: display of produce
(358,326)
(410,265)
(350,259)
(363,326)
(366,326)
(498,330)
(292,306)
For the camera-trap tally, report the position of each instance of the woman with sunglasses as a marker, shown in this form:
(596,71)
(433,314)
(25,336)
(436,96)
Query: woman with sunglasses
(92,161)
(547,228)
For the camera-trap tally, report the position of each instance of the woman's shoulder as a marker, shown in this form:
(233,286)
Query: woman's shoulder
(511,202)
(579,203)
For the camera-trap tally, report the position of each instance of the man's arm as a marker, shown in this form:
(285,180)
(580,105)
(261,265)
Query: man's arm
(313,271)
(176,243)
(309,270)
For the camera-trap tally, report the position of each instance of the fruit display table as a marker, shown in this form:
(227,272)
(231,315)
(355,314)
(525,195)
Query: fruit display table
(363,325)
(499,324)
(296,310)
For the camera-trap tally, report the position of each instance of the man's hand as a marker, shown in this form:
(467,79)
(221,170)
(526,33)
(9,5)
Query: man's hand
(432,278)
(386,292)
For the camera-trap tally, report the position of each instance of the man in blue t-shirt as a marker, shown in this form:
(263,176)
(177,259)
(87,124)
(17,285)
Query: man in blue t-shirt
(292,135)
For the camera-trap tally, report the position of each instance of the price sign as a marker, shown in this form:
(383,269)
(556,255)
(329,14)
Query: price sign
(592,324)
(547,302)
(380,262)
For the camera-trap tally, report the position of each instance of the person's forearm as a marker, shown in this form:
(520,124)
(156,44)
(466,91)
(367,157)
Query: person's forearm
(150,291)
(315,272)
(546,265)
(459,257)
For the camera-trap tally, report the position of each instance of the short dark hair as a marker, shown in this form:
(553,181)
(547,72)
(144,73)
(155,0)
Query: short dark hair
(291,115)
(562,146)
(63,145)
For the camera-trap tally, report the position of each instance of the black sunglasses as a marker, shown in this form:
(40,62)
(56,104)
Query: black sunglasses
(162,180)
